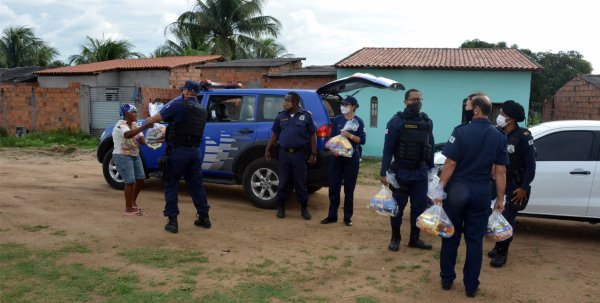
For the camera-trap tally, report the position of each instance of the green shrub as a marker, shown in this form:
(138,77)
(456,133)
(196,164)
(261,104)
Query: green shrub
(3,132)
(63,138)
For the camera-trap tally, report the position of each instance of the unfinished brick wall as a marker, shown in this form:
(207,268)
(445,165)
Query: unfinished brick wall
(576,100)
(165,94)
(298,82)
(248,77)
(39,109)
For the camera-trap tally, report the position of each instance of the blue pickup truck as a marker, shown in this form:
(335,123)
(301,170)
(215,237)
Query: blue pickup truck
(238,129)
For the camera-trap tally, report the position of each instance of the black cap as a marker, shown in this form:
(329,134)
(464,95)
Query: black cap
(350,100)
(191,85)
(513,110)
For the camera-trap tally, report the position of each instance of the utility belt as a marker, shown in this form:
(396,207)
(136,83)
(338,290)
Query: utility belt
(294,149)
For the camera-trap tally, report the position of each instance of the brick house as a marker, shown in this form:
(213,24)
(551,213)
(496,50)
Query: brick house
(578,99)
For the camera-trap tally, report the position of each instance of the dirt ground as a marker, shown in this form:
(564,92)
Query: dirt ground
(549,261)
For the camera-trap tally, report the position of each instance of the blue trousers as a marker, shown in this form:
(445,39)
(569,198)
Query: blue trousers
(346,169)
(417,192)
(468,207)
(292,170)
(185,162)
(510,211)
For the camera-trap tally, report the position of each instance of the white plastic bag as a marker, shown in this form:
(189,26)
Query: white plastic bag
(155,136)
(434,189)
(340,145)
(351,125)
(390,177)
(498,228)
(435,221)
(384,203)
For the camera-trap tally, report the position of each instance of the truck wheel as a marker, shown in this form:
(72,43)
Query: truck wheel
(260,182)
(111,174)
(313,189)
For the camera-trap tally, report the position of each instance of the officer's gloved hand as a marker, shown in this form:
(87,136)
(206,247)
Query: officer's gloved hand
(432,174)
(437,194)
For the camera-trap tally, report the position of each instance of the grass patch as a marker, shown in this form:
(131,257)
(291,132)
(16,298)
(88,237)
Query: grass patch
(425,278)
(67,140)
(163,258)
(366,300)
(59,233)
(328,258)
(34,228)
(4,229)
(347,262)
(368,173)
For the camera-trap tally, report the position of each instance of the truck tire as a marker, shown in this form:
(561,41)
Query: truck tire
(260,182)
(111,174)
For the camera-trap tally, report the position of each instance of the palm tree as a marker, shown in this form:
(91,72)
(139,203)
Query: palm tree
(186,44)
(96,50)
(231,27)
(268,48)
(20,47)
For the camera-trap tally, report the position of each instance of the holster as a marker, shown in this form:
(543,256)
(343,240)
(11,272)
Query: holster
(164,170)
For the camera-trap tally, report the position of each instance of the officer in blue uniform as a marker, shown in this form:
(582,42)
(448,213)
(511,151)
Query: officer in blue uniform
(343,168)
(471,152)
(186,120)
(409,139)
(519,172)
(295,132)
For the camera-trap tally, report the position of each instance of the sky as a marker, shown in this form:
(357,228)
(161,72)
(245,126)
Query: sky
(326,31)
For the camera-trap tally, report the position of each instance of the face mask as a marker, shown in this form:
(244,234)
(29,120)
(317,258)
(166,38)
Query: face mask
(344,110)
(501,121)
(469,115)
(414,107)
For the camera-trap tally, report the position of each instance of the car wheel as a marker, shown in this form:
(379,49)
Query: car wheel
(260,183)
(111,174)
(314,189)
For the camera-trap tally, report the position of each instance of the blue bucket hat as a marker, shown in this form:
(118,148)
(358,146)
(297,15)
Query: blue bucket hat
(191,86)
(127,108)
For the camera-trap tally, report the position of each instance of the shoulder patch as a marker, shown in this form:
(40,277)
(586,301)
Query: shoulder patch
(451,139)
(302,118)
(525,133)
(530,142)
(386,131)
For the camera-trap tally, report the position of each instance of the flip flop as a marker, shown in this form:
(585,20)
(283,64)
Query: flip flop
(132,213)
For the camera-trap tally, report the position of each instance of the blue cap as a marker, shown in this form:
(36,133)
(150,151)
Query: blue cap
(191,86)
(127,108)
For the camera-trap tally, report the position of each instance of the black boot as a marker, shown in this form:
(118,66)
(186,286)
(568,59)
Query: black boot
(305,213)
(280,212)
(395,241)
(499,260)
(492,253)
(415,241)
(203,220)
(172,225)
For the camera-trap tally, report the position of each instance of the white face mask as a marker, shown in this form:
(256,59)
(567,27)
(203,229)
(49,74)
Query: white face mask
(344,110)
(501,121)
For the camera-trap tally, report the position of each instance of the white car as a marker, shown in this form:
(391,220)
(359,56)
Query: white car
(567,164)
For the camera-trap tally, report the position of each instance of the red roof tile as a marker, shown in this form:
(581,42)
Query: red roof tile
(130,64)
(440,58)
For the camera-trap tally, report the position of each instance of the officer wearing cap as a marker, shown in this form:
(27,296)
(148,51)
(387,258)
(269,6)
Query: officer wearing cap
(471,152)
(409,140)
(295,132)
(343,168)
(519,172)
(186,120)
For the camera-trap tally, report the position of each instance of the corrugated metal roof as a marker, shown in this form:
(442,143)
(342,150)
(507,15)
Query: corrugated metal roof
(592,79)
(440,58)
(130,64)
(19,74)
(308,71)
(269,62)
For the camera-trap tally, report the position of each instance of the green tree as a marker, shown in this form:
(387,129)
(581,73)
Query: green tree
(186,43)
(267,48)
(96,50)
(232,28)
(20,47)
(476,43)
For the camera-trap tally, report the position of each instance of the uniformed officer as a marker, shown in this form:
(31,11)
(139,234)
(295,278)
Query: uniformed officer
(519,172)
(186,120)
(471,151)
(409,139)
(343,168)
(295,132)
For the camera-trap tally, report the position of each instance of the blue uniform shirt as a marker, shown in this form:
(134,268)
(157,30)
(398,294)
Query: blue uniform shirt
(527,148)
(393,128)
(340,121)
(172,112)
(294,132)
(475,147)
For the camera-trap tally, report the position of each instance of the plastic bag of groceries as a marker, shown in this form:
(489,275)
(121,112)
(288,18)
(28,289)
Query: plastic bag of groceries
(435,221)
(340,145)
(351,125)
(498,228)
(155,136)
(390,177)
(384,203)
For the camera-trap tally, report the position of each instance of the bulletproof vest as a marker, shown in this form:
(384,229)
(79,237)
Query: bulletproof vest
(188,131)
(515,167)
(413,140)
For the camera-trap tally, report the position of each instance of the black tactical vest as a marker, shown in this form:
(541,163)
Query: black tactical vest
(516,166)
(413,141)
(188,132)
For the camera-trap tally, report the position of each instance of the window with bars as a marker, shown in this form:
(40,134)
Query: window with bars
(373,111)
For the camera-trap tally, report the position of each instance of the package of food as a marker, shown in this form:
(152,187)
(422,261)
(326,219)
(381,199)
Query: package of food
(340,145)
(384,203)
(435,221)
(155,136)
(498,228)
